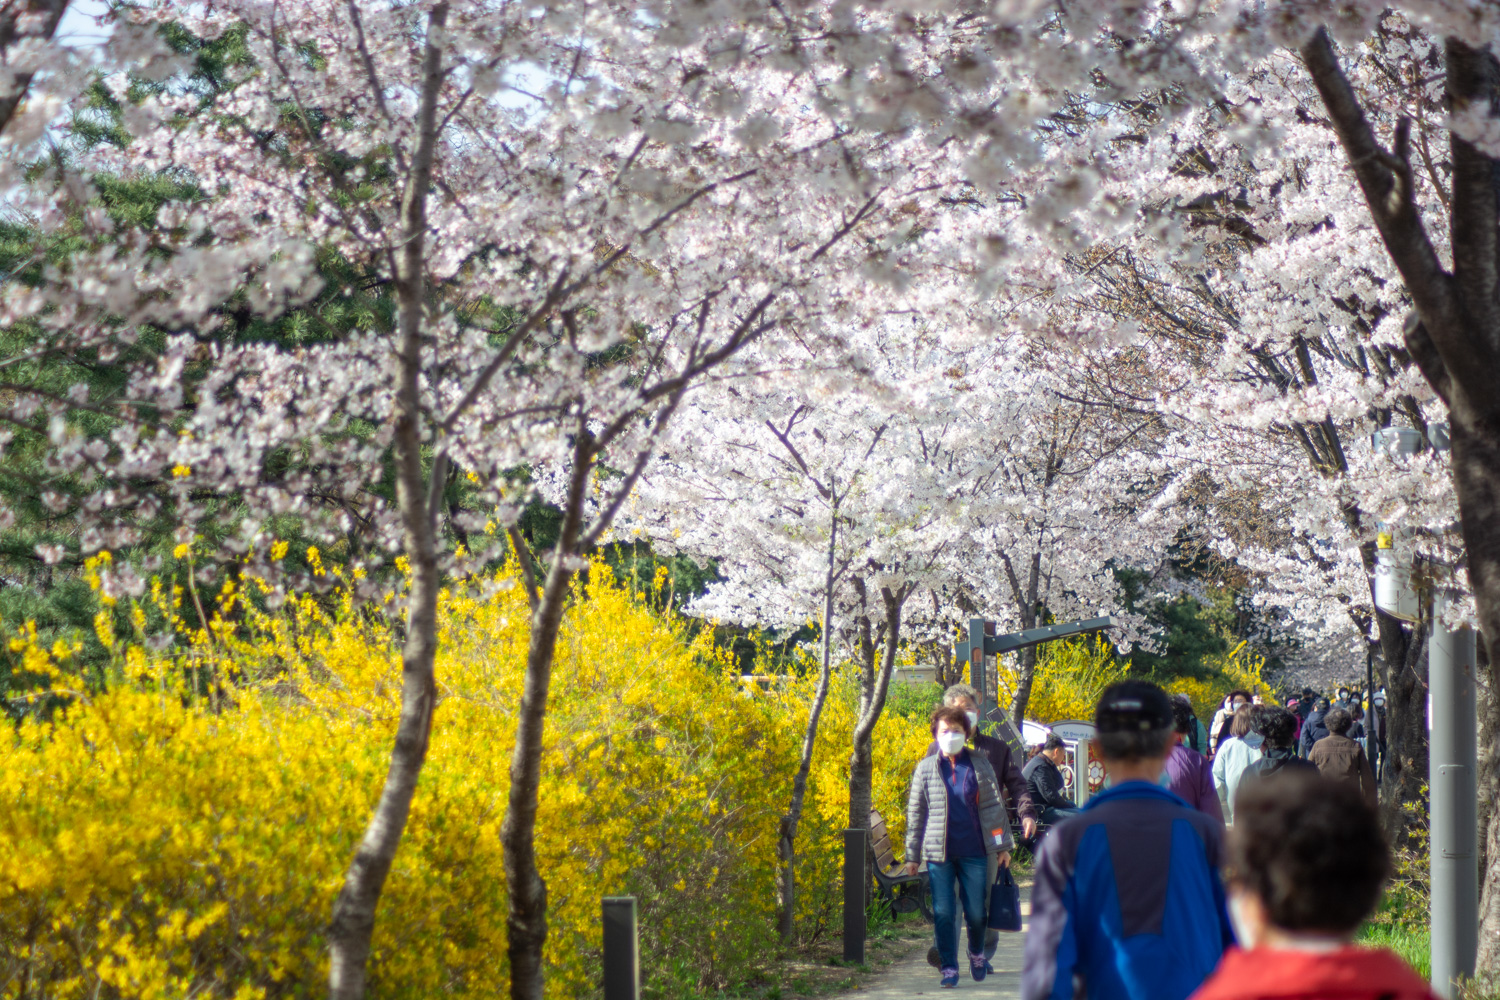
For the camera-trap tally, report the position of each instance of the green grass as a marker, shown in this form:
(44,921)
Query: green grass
(1413,944)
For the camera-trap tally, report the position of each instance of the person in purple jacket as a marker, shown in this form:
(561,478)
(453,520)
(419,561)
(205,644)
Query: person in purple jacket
(1190,776)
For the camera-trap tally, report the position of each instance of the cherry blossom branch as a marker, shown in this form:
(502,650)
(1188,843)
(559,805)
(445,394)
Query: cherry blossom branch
(1385,180)
(22,21)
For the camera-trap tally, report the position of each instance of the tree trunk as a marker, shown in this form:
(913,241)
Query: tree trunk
(1454,334)
(1027,609)
(786,876)
(1025,678)
(1403,800)
(352,926)
(1489,815)
(527,922)
(872,703)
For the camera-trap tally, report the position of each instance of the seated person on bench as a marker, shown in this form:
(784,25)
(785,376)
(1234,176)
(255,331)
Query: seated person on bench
(1045,782)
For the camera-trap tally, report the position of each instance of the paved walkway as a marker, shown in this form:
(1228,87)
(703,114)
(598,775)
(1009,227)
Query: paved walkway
(913,977)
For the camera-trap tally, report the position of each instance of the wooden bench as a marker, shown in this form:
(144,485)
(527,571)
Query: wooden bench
(904,893)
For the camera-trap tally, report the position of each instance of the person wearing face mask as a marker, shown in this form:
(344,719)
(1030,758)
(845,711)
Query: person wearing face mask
(1127,903)
(1218,732)
(1307,862)
(1237,753)
(1315,728)
(964,698)
(957,823)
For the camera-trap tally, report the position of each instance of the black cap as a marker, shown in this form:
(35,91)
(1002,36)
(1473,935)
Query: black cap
(1133,707)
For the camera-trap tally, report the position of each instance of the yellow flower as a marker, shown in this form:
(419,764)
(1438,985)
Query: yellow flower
(182,845)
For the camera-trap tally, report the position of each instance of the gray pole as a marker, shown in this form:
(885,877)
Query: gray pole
(1454,825)
(622,959)
(976,661)
(855,881)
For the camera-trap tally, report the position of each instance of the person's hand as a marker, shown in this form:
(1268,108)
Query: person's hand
(1028,828)
(1004,859)
(910,867)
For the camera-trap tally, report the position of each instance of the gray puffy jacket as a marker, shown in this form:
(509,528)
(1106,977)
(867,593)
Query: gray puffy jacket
(927,810)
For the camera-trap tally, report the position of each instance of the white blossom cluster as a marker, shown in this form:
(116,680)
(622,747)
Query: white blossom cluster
(1029,285)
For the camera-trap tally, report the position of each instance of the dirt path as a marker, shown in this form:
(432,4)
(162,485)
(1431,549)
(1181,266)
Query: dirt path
(913,977)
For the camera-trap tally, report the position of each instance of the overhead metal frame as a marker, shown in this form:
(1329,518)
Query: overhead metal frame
(983,643)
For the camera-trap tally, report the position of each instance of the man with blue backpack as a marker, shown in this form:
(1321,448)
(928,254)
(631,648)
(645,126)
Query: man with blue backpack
(1127,903)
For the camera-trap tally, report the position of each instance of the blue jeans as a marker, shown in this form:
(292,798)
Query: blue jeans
(1053,815)
(972,875)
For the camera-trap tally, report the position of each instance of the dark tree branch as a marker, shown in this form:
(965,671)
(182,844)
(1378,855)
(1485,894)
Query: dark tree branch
(20,22)
(1419,345)
(1460,313)
(527,560)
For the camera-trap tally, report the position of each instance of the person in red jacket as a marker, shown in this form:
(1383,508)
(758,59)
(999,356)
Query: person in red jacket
(1307,863)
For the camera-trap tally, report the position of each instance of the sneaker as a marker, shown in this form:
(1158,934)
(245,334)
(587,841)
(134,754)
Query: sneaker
(950,978)
(933,959)
(978,967)
(988,968)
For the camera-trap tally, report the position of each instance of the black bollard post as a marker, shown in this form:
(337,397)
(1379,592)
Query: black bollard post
(854,896)
(622,959)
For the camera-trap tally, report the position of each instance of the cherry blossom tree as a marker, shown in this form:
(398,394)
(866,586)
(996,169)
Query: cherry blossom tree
(579,213)
(794,494)
(561,275)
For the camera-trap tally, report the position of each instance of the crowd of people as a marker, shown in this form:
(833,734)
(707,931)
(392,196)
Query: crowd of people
(1199,870)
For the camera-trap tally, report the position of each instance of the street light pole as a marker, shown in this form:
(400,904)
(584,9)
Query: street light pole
(1453,766)
(1452,756)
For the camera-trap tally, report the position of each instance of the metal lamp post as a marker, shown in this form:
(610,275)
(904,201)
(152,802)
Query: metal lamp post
(1452,739)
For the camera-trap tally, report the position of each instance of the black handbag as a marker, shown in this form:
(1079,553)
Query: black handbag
(1005,903)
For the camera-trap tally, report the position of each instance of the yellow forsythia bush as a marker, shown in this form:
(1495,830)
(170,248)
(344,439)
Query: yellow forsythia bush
(1071,674)
(158,845)
(1240,669)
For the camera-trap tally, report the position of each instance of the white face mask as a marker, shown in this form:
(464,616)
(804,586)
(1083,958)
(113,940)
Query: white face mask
(1237,920)
(1254,740)
(950,742)
(973,719)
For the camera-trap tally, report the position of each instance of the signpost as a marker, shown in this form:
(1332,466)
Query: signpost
(983,647)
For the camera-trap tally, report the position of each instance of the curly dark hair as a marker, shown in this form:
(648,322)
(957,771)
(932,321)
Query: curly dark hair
(1298,835)
(1277,725)
(1182,716)
(1338,721)
(947,713)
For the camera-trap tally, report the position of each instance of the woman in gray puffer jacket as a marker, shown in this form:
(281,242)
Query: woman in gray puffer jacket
(955,821)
